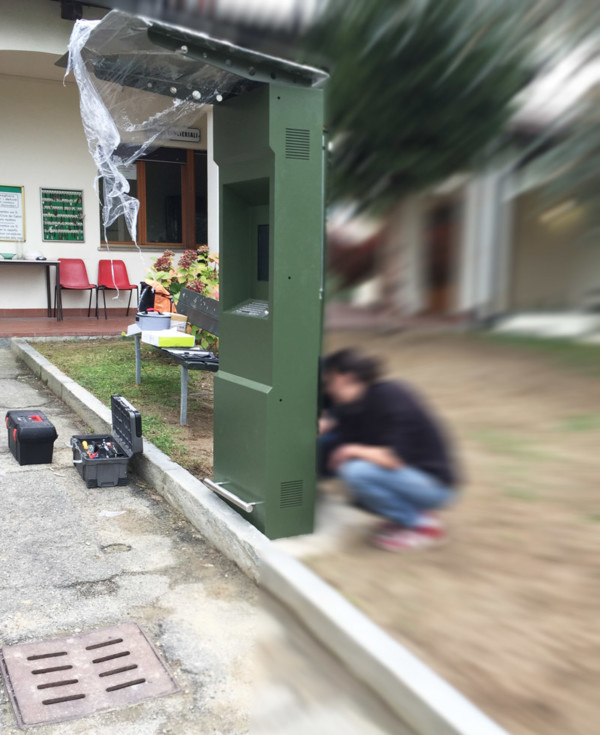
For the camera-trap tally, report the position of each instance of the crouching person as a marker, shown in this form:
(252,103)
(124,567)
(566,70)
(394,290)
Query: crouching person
(385,445)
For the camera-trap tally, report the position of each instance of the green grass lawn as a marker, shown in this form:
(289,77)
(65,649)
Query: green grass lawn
(105,367)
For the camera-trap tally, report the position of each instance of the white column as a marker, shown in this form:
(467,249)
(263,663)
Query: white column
(402,259)
(413,298)
(504,246)
(484,270)
(212,194)
(391,257)
(466,298)
(487,240)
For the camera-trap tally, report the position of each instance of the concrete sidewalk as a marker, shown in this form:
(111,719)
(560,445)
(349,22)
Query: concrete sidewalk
(74,559)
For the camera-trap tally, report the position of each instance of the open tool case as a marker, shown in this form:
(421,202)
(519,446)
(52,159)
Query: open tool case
(102,459)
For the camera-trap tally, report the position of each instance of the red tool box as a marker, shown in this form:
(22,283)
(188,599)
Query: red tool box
(31,437)
(102,459)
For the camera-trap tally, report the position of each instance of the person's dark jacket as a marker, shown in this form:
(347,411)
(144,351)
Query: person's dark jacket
(390,415)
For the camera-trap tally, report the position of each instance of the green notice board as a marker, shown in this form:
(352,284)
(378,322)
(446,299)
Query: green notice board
(12,213)
(62,215)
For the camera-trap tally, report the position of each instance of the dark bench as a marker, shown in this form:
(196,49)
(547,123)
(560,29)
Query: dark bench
(202,312)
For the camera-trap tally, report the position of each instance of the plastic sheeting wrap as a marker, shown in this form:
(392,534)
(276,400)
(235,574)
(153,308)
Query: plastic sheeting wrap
(138,79)
(132,93)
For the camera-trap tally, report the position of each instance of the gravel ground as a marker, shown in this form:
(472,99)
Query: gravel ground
(508,611)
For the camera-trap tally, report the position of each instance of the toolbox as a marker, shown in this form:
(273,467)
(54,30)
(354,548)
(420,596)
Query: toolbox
(102,459)
(30,437)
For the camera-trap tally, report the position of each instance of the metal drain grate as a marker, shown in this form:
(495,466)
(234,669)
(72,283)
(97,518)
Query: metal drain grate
(67,678)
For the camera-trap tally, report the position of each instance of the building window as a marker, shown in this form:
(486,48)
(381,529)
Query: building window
(163,202)
(171,186)
(117,232)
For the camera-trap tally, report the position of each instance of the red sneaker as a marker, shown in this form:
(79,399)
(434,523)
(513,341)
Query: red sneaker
(411,539)
(428,521)
(385,528)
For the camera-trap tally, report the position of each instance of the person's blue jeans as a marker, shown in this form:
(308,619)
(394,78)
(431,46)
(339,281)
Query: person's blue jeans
(398,494)
(326,443)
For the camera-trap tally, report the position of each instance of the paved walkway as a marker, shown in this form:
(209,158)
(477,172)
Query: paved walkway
(303,690)
(70,326)
(73,560)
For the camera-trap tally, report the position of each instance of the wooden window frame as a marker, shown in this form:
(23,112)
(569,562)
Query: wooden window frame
(188,206)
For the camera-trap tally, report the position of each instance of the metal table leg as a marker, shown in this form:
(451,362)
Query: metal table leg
(138,358)
(48,295)
(57,294)
(184,396)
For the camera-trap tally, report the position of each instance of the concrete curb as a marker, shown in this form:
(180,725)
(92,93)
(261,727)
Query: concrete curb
(219,524)
(420,698)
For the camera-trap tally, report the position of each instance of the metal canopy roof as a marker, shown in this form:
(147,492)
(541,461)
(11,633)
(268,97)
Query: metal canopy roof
(181,63)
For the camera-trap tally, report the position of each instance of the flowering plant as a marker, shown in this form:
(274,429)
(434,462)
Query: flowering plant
(197,270)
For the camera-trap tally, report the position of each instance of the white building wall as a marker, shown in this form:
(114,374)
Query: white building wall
(42,144)
(556,255)
(583,288)
(36,25)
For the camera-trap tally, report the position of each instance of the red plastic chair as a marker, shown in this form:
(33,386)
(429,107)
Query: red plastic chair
(74,277)
(113,276)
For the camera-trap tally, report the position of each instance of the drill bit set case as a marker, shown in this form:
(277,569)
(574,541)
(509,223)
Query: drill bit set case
(102,460)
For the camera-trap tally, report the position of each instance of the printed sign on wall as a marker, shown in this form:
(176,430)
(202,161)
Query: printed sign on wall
(12,213)
(62,215)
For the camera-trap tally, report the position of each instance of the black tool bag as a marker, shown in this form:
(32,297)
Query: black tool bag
(150,299)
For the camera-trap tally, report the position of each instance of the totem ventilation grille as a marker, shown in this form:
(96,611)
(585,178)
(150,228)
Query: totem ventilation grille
(291,494)
(67,678)
(297,143)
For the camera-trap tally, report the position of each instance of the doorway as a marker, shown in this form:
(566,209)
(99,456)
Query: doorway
(440,244)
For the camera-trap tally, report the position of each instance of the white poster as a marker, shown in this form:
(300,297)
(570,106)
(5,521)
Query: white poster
(12,219)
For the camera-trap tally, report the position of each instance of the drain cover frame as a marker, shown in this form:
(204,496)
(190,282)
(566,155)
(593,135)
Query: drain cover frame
(62,679)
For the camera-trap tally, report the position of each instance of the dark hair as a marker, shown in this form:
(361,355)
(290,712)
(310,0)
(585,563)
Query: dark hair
(366,369)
